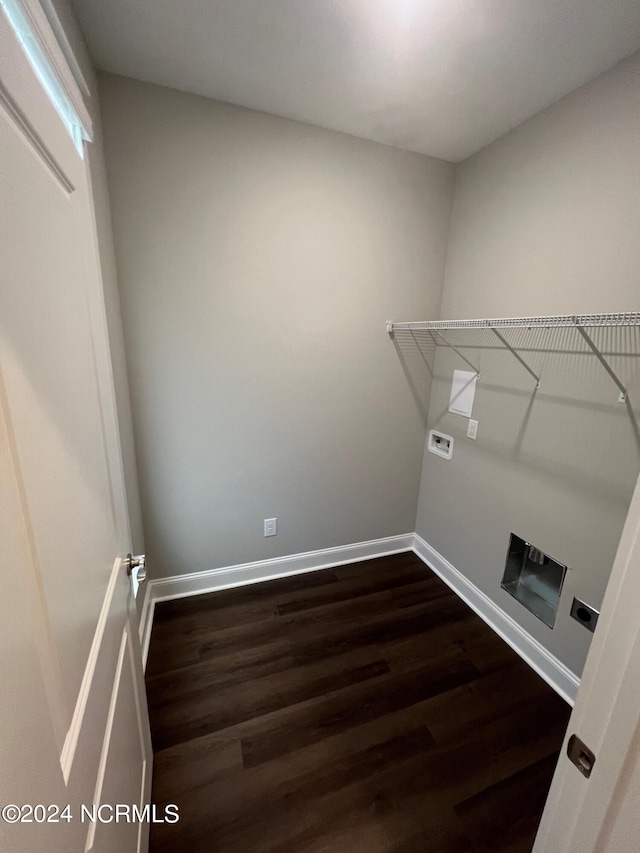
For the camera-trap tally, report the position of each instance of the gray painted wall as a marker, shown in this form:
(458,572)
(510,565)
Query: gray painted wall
(546,220)
(258,261)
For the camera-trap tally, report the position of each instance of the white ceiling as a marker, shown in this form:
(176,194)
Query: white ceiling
(442,77)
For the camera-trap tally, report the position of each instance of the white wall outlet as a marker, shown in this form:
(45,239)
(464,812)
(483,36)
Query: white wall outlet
(622,398)
(271,527)
(472,429)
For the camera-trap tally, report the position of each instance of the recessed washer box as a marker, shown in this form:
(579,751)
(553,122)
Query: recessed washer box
(440,444)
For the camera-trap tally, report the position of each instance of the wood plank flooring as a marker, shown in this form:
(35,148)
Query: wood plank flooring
(362,709)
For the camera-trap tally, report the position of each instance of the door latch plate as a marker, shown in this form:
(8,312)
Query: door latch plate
(580,755)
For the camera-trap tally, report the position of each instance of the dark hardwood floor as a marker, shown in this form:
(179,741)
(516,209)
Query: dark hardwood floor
(363,708)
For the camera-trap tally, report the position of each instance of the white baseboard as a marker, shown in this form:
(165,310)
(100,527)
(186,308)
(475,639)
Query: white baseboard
(213,580)
(554,672)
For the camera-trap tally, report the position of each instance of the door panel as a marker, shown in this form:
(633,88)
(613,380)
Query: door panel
(73,709)
(124,737)
(51,386)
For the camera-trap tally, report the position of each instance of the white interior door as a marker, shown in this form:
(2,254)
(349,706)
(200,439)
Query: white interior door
(73,712)
(601,813)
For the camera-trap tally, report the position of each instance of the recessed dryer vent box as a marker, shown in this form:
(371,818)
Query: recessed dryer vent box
(440,444)
(533,578)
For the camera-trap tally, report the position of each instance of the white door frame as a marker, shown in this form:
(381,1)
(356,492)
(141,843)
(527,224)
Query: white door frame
(590,815)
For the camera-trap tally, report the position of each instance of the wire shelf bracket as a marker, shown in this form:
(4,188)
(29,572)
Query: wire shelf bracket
(624,394)
(457,352)
(515,354)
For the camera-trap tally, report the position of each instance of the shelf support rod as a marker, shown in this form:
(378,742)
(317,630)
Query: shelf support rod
(516,355)
(603,362)
(457,352)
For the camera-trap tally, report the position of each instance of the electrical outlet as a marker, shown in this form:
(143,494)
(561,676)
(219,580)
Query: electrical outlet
(271,527)
(472,429)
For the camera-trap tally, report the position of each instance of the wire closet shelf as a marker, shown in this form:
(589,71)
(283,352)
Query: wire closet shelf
(581,322)
(557,321)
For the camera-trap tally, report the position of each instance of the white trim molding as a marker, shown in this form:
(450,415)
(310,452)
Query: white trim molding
(549,667)
(213,580)
(53,41)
